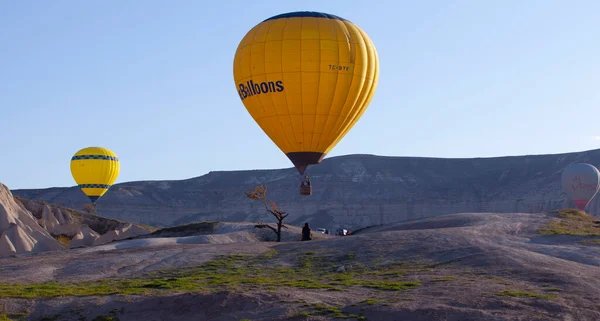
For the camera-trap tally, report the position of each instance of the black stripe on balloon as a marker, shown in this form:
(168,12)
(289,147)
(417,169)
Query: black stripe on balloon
(103,157)
(94,186)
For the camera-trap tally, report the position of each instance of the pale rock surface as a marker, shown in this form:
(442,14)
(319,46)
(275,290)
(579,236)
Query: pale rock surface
(84,229)
(19,230)
(6,246)
(30,226)
(85,237)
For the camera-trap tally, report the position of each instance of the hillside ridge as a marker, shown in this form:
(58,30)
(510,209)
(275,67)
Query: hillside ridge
(350,191)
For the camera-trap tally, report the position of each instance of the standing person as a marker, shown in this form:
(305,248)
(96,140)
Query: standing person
(306,181)
(306,233)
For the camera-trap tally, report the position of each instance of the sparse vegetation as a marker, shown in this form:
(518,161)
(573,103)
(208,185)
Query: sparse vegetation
(259,193)
(269,254)
(591,242)
(310,271)
(552,289)
(106,318)
(371,301)
(13,316)
(321,309)
(63,239)
(572,222)
(391,286)
(525,294)
(148,227)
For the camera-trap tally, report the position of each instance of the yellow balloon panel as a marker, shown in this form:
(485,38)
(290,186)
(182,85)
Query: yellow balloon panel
(306,78)
(95,169)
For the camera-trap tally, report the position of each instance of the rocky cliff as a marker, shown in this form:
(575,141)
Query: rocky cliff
(348,191)
(83,229)
(31,226)
(19,230)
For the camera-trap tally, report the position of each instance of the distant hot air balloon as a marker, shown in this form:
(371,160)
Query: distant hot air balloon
(95,169)
(306,78)
(581,182)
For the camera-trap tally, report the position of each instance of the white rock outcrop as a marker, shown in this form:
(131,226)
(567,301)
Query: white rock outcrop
(20,231)
(85,237)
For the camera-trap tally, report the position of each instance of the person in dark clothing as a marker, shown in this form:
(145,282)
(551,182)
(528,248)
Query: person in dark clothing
(306,233)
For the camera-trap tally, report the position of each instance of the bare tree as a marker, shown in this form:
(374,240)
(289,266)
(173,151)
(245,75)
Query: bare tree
(259,193)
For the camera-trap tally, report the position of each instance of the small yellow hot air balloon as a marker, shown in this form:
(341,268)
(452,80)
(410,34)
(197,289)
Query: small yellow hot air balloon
(95,169)
(306,78)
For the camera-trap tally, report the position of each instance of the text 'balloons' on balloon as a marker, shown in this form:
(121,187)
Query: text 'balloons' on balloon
(95,169)
(306,78)
(581,183)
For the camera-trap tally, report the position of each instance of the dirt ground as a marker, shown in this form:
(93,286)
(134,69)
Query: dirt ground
(479,266)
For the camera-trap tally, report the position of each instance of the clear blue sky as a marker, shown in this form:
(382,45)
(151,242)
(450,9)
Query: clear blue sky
(153,81)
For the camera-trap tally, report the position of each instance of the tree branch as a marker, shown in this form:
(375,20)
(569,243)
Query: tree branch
(272,228)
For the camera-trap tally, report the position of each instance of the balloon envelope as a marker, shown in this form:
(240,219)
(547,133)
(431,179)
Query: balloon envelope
(306,78)
(95,169)
(581,182)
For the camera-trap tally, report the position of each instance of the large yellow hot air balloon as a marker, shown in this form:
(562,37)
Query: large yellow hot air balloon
(95,169)
(306,78)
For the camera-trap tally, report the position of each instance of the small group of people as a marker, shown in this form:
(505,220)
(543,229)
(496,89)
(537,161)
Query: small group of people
(305,188)
(306,182)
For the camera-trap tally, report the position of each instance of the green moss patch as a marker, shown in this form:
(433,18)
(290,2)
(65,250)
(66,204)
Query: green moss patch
(321,309)
(310,271)
(525,294)
(572,222)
